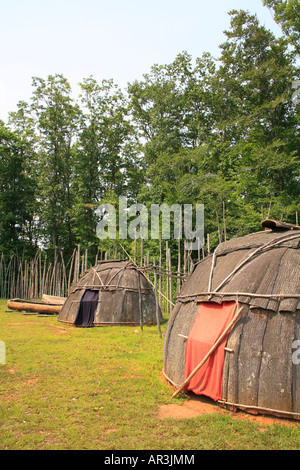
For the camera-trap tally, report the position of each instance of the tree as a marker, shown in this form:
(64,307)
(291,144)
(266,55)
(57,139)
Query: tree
(158,107)
(106,163)
(236,127)
(261,70)
(55,117)
(287,15)
(17,193)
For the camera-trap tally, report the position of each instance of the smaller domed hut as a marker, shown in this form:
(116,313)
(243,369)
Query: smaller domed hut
(114,292)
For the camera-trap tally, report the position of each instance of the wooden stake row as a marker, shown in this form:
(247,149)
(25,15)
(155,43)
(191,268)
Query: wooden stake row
(30,279)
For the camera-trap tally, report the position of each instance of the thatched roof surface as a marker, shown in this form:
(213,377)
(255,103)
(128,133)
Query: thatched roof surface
(111,275)
(125,295)
(271,273)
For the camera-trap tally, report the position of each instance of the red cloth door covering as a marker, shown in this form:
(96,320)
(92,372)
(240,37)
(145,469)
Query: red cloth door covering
(210,322)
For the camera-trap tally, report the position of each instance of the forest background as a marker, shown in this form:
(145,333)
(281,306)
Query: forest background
(220,132)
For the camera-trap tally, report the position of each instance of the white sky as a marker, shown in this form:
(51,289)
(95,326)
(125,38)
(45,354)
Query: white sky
(118,39)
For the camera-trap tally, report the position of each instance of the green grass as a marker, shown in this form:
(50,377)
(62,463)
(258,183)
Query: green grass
(101,388)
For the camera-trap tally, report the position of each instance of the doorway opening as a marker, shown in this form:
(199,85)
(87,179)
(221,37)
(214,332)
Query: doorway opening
(87,308)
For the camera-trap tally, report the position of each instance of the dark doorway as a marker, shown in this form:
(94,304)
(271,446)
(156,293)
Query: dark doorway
(87,307)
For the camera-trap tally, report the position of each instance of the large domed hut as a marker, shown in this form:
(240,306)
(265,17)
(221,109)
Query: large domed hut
(112,293)
(234,333)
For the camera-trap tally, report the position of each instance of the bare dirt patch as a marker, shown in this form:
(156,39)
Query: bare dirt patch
(189,409)
(108,431)
(200,405)
(29,382)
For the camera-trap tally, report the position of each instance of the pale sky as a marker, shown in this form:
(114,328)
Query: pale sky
(108,39)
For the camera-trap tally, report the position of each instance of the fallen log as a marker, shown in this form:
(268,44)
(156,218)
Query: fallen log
(29,306)
(53,299)
(279,225)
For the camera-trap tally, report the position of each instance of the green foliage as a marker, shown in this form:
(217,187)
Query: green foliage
(287,15)
(220,132)
(106,155)
(56,120)
(17,192)
(244,150)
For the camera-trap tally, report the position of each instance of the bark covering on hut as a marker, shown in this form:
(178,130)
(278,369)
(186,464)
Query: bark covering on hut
(123,296)
(261,273)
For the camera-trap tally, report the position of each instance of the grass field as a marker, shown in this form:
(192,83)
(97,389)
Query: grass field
(101,388)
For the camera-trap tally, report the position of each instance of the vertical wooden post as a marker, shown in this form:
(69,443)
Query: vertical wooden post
(64,276)
(159,277)
(86,260)
(219,231)
(25,279)
(178,268)
(156,299)
(184,258)
(269,211)
(167,277)
(224,221)
(170,279)
(140,299)
(1,276)
(70,271)
(142,252)
(36,279)
(78,263)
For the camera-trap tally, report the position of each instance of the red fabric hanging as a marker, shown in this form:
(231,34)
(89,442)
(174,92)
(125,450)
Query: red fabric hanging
(210,322)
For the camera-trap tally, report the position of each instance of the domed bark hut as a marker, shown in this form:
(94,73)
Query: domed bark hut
(256,367)
(111,293)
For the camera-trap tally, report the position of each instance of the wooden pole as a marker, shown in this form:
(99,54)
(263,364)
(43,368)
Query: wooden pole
(64,275)
(86,260)
(156,299)
(142,252)
(184,257)
(170,278)
(219,231)
(269,211)
(212,349)
(140,299)
(78,264)
(224,221)
(1,276)
(178,268)
(159,278)
(167,277)
(25,279)
(208,244)
(70,271)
